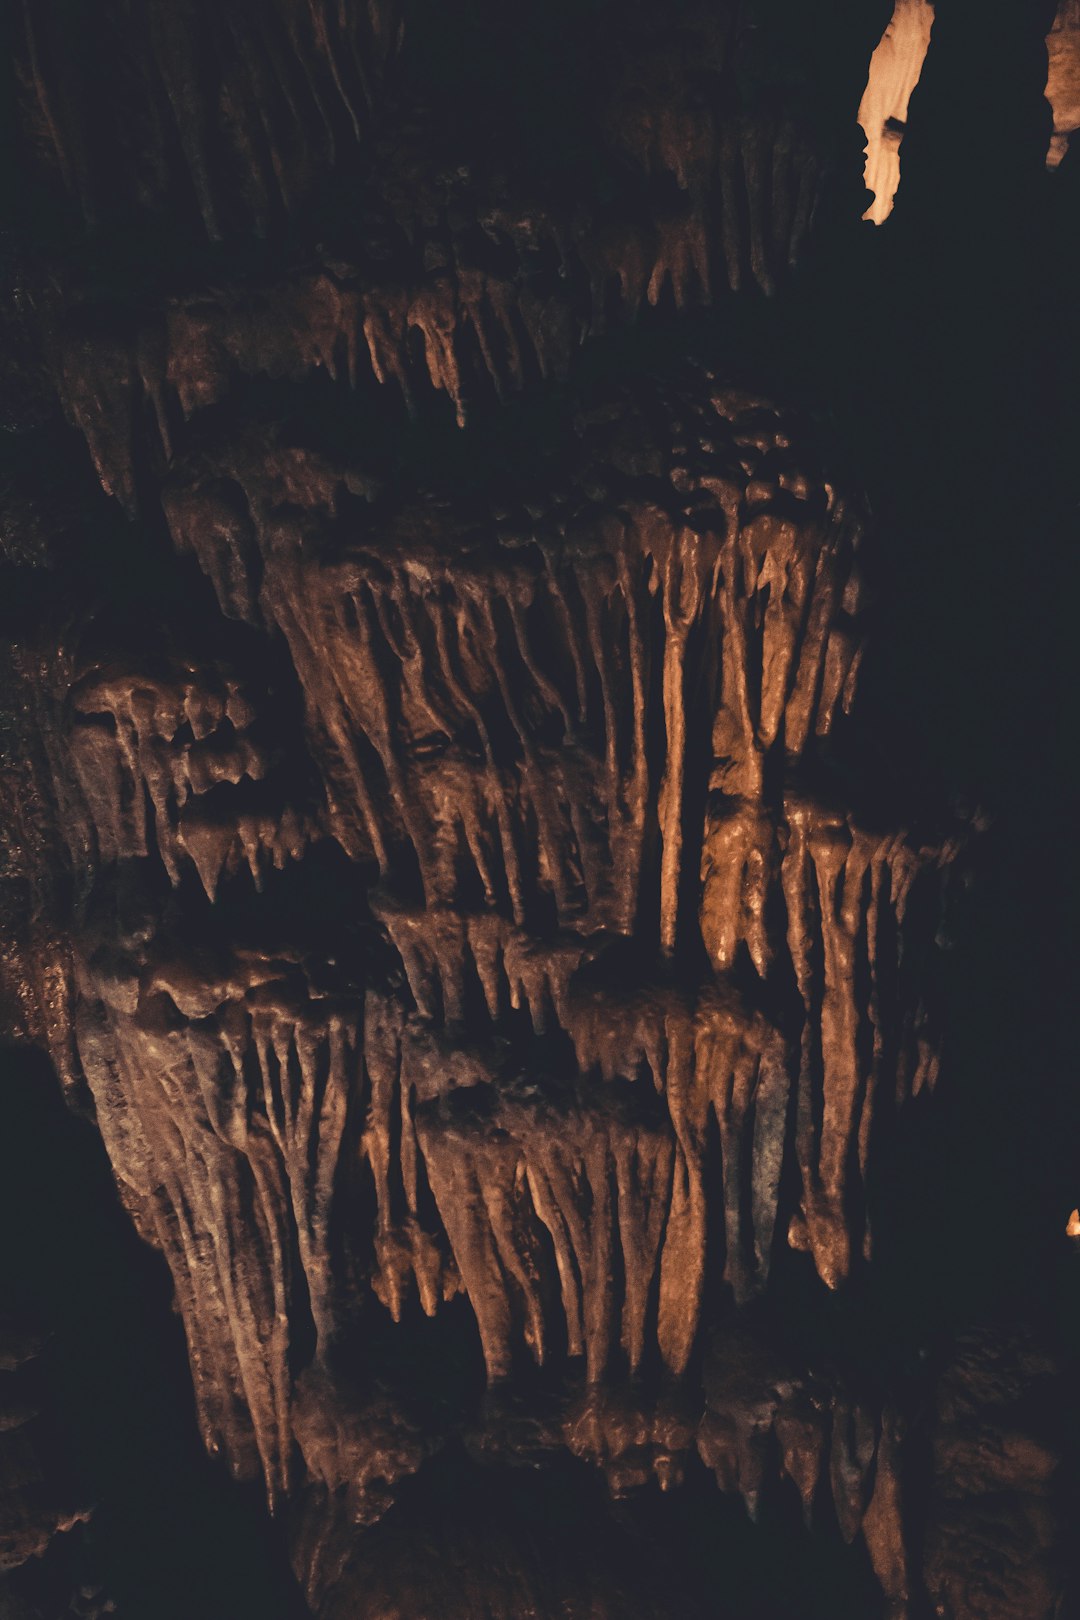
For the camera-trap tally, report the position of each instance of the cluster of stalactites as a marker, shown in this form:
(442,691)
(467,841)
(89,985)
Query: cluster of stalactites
(150,758)
(895,68)
(240,1112)
(445,323)
(546,1199)
(549,736)
(240,120)
(764,1429)
(224,1108)
(862,910)
(529,727)
(978,1536)
(766,1432)
(242,111)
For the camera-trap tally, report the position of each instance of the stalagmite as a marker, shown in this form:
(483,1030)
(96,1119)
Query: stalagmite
(884,1528)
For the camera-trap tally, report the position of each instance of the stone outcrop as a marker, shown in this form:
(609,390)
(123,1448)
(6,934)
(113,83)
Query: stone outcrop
(443,843)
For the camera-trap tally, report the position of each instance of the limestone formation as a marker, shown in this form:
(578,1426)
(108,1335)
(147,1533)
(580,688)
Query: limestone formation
(446,850)
(894,72)
(1063,79)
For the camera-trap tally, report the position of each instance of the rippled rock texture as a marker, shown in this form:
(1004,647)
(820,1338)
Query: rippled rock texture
(621,993)
(446,849)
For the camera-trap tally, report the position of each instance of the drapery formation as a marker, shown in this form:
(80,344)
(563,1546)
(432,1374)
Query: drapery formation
(445,847)
(625,997)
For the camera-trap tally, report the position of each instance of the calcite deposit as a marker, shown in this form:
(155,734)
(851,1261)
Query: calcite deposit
(618,978)
(894,72)
(446,850)
(1063,79)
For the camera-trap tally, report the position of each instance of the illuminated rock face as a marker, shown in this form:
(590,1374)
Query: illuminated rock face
(613,1001)
(1063,79)
(549,738)
(894,72)
(463,893)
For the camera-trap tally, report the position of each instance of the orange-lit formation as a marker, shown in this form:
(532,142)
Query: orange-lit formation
(894,72)
(546,738)
(452,866)
(1063,79)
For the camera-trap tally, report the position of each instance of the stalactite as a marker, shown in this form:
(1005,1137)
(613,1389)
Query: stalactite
(598,1184)
(457,653)
(151,752)
(834,934)
(470,919)
(138,387)
(396,1062)
(226,1120)
(512,729)
(1063,79)
(307,61)
(894,72)
(884,1526)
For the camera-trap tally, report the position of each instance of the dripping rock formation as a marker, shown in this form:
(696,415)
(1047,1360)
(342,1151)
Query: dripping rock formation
(465,852)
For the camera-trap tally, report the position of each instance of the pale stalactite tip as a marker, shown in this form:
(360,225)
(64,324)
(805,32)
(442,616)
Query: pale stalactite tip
(894,72)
